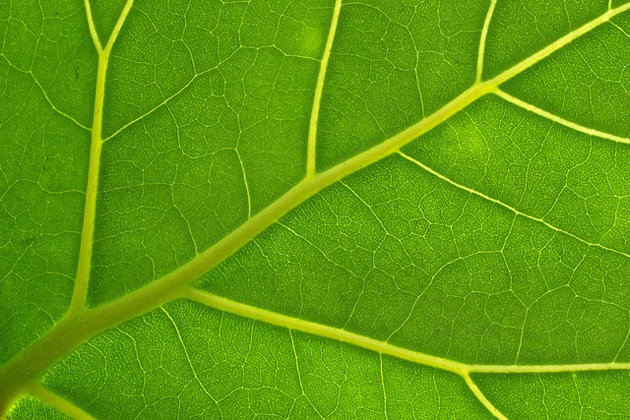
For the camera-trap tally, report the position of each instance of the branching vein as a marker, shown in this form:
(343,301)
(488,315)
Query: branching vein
(79,294)
(510,208)
(560,120)
(317,99)
(482,398)
(482,40)
(81,324)
(57,402)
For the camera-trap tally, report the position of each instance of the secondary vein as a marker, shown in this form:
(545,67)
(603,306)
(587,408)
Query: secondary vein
(482,40)
(75,328)
(79,294)
(58,402)
(93,33)
(590,131)
(383,347)
(317,99)
(482,398)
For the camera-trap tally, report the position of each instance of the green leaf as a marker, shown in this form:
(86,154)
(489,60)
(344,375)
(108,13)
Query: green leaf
(314,209)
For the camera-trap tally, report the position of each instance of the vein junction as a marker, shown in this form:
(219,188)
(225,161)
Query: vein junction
(80,324)
(382,347)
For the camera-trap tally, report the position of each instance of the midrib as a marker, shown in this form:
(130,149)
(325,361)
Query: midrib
(81,324)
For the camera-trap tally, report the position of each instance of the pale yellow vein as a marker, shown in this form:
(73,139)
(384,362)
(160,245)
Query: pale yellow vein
(482,398)
(58,402)
(317,99)
(482,40)
(590,131)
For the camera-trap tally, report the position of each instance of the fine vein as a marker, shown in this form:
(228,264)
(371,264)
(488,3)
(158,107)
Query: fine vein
(78,326)
(317,99)
(508,207)
(560,120)
(52,105)
(482,40)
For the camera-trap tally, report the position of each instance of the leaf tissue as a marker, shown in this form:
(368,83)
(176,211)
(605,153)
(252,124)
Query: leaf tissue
(314,209)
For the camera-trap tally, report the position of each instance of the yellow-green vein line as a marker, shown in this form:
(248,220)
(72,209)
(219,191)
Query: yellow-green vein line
(321,330)
(70,331)
(93,33)
(345,336)
(508,207)
(57,402)
(482,398)
(482,41)
(119,24)
(52,105)
(89,212)
(317,99)
(79,294)
(556,45)
(560,120)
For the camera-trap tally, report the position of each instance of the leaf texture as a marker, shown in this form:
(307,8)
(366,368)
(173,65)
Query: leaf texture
(314,209)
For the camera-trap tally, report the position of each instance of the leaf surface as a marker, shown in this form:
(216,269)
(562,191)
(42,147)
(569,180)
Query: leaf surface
(327,209)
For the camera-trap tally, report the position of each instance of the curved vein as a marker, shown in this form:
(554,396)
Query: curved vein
(317,99)
(50,102)
(529,107)
(74,328)
(79,294)
(93,33)
(56,401)
(482,40)
(345,336)
(57,110)
(508,207)
(482,398)
(189,360)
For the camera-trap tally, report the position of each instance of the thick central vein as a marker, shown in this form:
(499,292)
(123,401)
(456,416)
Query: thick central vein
(73,330)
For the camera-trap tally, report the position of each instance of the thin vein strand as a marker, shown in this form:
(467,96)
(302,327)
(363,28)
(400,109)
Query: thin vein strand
(482,398)
(508,207)
(93,33)
(317,99)
(590,131)
(482,40)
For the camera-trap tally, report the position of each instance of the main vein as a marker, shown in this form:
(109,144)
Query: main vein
(78,326)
